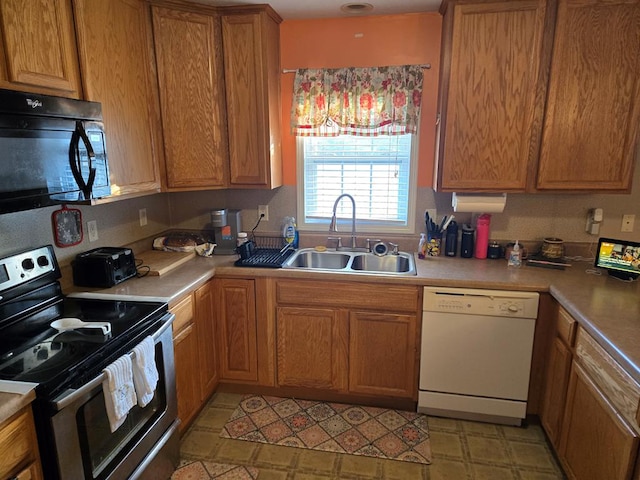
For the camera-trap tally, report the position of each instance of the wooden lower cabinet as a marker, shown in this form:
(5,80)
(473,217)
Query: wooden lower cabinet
(383,353)
(195,352)
(236,322)
(557,374)
(353,338)
(20,457)
(312,348)
(556,389)
(32,472)
(590,406)
(185,348)
(596,442)
(207,352)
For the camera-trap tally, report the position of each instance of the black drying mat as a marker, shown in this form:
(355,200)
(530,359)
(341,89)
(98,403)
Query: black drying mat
(266,258)
(544,262)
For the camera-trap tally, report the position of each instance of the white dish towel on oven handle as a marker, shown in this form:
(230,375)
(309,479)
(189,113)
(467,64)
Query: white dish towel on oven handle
(145,373)
(119,393)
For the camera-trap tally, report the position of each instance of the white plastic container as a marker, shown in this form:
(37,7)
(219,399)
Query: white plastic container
(515,257)
(242,238)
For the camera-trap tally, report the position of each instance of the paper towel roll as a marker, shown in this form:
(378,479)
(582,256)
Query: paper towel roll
(479,202)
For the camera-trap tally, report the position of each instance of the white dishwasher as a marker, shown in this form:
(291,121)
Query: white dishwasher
(476,353)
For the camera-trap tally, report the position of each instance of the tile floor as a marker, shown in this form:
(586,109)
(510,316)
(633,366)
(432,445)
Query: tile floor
(461,450)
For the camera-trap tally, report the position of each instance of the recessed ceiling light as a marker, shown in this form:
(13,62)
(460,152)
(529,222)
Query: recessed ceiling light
(356,8)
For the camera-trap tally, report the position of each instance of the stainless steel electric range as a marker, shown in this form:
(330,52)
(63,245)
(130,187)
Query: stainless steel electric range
(66,369)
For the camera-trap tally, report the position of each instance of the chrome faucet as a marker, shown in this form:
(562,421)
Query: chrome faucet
(333,227)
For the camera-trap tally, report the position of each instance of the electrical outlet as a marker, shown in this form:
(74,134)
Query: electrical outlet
(627,223)
(263,210)
(92,228)
(143,216)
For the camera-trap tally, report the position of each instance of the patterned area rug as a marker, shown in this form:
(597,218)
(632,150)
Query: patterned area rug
(218,471)
(331,427)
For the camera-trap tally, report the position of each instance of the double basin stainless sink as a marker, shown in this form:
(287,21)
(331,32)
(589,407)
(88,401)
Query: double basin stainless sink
(352,262)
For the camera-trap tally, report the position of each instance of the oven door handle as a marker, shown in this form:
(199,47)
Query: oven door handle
(71,395)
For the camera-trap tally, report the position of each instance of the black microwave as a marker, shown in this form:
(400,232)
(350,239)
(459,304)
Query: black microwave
(52,151)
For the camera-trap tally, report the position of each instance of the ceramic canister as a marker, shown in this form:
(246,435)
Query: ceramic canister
(552,248)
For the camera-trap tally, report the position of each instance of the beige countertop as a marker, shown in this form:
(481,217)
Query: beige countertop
(607,308)
(11,403)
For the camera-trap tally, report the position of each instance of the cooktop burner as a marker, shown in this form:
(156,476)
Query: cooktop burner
(31,350)
(36,352)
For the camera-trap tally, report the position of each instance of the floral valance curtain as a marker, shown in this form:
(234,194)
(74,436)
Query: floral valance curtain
(357,101)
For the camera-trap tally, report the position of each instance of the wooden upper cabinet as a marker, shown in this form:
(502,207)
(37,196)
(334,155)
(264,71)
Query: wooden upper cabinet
(116,57)
(251,41)
(593,109)
(190,74)
(490,89)
(539,95)
(37,47)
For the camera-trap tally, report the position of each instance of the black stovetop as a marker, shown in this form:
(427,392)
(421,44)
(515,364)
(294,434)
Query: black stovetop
(32,351)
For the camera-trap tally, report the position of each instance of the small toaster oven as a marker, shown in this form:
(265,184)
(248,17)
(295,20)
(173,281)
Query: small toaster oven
(103,267)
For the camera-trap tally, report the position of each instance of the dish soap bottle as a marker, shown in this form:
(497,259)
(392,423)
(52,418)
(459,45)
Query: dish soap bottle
(422,246)
(515,257)
(289,231)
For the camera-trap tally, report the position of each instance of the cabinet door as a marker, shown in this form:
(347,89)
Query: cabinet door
(19,447)
(593,108)
(192,97)
(555,389)
(491,100)
(32,472)
(312,348)
(185,346)
(205,320)
(596,442)
(252,80)
(383,354)
(37,47)
(236,327)
(116,53)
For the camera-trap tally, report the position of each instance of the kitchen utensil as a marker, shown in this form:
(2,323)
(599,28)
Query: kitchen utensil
(64,324)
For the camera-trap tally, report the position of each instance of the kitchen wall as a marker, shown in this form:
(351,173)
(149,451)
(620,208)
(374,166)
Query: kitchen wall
(118,224)
(390,40)
(526,217)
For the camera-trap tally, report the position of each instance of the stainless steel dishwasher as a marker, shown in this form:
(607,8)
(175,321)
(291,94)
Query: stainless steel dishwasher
(476,353)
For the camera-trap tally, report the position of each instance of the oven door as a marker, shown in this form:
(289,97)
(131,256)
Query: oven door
(84,446)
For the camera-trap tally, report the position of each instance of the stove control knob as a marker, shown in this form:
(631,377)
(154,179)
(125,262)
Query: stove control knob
(43,261)
(28,264)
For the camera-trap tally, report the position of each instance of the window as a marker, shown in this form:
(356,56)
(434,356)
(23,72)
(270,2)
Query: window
(378,171)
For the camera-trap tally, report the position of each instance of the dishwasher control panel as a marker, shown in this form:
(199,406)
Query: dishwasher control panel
(501,303)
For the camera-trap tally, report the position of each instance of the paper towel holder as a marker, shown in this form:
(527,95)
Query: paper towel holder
(479,202)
